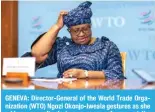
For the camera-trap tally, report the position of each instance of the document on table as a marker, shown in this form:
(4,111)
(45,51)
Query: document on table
(59,80)
(51,83)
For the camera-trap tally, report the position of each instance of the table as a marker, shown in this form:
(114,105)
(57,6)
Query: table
(80,84)
(75,84)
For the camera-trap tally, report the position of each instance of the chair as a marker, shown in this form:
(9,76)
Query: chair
(123,55)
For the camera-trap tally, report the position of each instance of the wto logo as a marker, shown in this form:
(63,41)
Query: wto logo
(36,23)
(147,18)
(109,22)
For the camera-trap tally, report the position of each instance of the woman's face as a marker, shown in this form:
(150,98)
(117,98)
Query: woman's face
(81,34)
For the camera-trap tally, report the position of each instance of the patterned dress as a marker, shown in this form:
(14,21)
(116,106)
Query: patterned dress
(102,55)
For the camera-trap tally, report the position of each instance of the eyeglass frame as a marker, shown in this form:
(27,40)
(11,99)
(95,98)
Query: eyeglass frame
(83,30)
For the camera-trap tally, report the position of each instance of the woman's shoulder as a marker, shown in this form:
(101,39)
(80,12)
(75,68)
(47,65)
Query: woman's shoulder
(109,44)
(107,41)
(104,39)
(62,42)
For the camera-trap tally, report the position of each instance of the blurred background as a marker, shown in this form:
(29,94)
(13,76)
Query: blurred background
(131,25)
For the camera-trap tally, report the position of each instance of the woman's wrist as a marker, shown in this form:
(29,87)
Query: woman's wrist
(57,27)
(86,73)
(83,74)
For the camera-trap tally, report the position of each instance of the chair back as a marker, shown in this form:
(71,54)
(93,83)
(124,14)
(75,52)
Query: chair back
(123,55)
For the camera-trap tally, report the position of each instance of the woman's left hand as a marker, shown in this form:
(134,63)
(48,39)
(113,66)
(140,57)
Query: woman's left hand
(76,73)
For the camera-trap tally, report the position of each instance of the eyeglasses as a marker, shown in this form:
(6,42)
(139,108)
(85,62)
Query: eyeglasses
(84,30)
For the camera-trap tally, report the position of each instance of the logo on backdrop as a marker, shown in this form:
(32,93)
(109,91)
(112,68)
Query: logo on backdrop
(36,25)
(141,54)
(147,18)
(109,21)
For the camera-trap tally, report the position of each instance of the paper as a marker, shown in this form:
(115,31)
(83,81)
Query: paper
(51,83)
(26,64)
(59,80)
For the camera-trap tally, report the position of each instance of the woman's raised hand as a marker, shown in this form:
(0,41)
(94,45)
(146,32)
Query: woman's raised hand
(60,23)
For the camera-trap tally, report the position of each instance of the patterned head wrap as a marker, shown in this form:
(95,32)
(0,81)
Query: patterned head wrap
(79,15)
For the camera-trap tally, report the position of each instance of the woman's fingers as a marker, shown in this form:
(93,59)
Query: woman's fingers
(68,73)
(63,12)
(60,19)
(69,70)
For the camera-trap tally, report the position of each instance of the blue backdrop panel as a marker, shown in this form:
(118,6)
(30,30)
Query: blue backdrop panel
(131,25)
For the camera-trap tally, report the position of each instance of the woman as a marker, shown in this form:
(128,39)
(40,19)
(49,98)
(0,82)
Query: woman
(81,56)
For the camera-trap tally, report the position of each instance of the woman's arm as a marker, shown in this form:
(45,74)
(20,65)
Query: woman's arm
(44,44)
(41,48)
(95,74)
(80,73)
